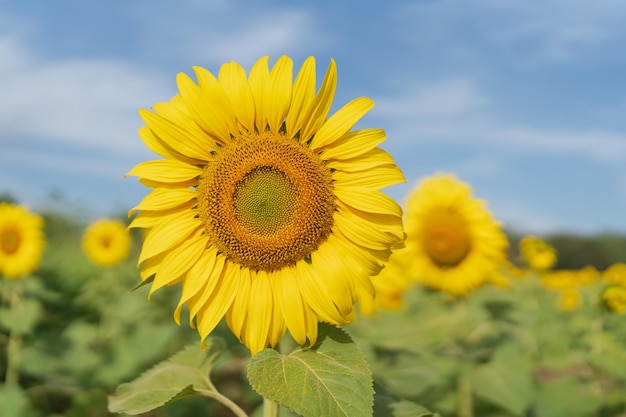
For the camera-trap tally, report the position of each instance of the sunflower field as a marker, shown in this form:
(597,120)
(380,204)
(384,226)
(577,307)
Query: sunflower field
(266,272)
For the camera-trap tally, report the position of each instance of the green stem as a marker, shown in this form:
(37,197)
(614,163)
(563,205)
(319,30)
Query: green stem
(225,401)
(466,406)
(14,345)
(270,408)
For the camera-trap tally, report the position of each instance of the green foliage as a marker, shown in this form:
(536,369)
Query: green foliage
(185,374)
(330,378)
(82,331)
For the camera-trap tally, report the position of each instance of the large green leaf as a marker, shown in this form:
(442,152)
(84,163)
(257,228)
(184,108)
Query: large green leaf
(566,397)
(506,381)
(329,379)
(177,377)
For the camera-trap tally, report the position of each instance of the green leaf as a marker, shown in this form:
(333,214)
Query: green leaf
(177,377)
(14,401)
(566,397)
(387,406)
(329,379)
(23,318)
(506,381)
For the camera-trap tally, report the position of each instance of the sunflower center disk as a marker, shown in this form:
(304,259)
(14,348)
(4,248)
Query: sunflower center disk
(266,201)
(9,241)
(446,241)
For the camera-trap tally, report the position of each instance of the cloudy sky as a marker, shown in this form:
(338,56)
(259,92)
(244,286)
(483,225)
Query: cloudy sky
(524,100)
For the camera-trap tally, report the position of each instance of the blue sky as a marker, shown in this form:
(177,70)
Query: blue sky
(524,100)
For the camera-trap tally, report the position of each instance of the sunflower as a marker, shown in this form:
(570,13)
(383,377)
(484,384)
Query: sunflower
(390,284)
(106,242)
(21,240)
(614,298)
(569,299)
(454,243)
(616,273)
(537,253)
(266,210)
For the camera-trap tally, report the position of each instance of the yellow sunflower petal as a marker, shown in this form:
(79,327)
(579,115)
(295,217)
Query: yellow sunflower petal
(238,313)
(195,281)
(257,327)
(232,77)
(168,232)
(315,294)
(340,122)
(289,300)
(163,199)
(368,200)
(186,141)
(224,115)
(179,260)
(303,95)
(279,92)
(259,80)
(197,101)
(220,300)
(368,160)
(167,171)
(320,106)
(353,144)
(376,178)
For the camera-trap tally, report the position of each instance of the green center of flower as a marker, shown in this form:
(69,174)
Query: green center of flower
(9,241)
(446,240)
(265,201)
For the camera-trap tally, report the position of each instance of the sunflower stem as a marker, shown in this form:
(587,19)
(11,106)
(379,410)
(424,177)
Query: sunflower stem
(464,387)
(227,402)
(14,345)
(270,408)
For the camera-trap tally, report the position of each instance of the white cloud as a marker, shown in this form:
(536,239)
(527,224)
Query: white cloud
(553,30)
(457,112)
(88,103)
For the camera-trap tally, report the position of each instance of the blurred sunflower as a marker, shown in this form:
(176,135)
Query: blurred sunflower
(569,299)
(560,279)
(265,209)
(21,241)
(390,284)
(616,273)
(614,298)
(537,253)
(106,242)
(454,242)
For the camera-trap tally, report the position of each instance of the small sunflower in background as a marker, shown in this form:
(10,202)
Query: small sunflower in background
(22,240)
(391,284)
(266,209)
(453,242)
(537,253)
(106,242)
(615,273)
(569,299)
(614,298)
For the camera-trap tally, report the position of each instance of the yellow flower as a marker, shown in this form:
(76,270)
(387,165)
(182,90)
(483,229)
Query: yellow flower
(537,253)
(569,299)
(106,242)
(616,273)
(21,241)
(390,284)
(614,298)
(264,208)
(455,243)
(560,279)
